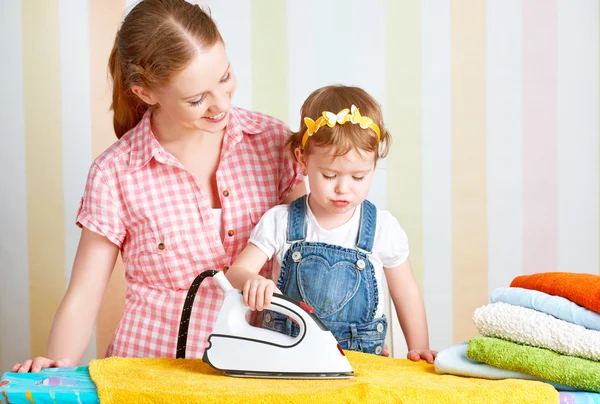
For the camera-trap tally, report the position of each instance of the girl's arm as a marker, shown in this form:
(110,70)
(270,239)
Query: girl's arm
(74,321)
(243,275)
(410,309)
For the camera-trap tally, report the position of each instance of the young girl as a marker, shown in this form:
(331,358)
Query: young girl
(334,246)
(177,194)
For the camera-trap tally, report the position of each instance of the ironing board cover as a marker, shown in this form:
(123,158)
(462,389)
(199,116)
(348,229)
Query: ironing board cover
(378,380)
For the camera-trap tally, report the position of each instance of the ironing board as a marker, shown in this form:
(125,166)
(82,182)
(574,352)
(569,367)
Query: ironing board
(74,385)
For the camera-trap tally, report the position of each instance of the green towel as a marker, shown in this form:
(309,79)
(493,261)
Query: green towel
(581,373)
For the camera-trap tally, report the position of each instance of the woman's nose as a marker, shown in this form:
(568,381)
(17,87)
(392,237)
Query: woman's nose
(221,101)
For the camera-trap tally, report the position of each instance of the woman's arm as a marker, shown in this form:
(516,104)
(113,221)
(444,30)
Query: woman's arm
(298,191)
(74,321)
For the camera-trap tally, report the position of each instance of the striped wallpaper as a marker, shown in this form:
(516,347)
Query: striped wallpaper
(493,107)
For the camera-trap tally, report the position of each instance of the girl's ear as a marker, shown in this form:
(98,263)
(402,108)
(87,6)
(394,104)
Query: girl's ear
(301,158)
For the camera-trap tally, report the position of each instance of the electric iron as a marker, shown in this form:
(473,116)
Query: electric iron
(239,349)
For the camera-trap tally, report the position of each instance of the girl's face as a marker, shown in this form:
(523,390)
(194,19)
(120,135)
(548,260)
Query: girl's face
(198,97)
(337,184)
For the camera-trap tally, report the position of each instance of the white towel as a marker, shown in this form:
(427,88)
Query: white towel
(531,327)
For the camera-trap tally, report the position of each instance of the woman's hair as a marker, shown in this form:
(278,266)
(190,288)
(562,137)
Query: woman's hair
(157,39)
(347,136)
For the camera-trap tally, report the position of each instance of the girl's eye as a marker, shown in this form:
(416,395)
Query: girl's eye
(328,177)
(226,78)
(358,178)
(197,102)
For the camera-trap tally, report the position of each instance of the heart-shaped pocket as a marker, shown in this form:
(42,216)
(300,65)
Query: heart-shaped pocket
(327,288)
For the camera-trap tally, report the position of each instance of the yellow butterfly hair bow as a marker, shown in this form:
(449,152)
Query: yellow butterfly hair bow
(330,119)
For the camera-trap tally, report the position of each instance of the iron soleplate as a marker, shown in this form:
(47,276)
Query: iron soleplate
(290,375)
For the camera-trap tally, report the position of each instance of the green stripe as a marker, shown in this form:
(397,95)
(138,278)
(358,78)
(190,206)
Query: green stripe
(44,159)
(270,58)
(402,113)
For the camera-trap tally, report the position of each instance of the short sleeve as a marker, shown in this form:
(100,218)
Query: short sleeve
(394,242)
(269,233)
(98,210)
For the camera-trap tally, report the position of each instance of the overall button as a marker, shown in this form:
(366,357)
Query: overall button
(268,317)
(225,268)
(378,350)
(296,256)
(161,246)
(380,327)
(361,264)
(230,233)
(226,193)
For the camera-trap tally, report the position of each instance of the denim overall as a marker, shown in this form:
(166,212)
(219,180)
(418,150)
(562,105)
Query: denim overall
(338,283)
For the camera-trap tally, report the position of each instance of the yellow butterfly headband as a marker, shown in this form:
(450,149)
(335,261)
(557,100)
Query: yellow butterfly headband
(330,119)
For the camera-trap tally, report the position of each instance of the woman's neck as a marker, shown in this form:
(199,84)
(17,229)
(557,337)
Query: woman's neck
(169,132)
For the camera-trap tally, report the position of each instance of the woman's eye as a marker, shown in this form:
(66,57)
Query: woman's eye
(328,177)
(358,178)
(196,102)
(226,78)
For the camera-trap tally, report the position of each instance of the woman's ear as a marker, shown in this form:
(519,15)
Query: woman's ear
(301,158)
(147,96)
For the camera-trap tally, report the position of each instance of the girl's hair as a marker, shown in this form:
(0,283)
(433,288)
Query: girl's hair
(344,137)
(157,39)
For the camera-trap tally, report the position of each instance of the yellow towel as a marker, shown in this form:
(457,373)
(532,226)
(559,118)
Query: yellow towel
(377,380)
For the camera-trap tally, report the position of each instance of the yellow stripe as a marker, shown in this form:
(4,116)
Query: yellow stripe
(403,121)
(469,180)
(270,58)
(43,151)
(104,19)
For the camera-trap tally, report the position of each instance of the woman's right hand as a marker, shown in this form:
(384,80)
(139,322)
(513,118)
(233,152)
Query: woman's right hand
(39,363)
(257,293)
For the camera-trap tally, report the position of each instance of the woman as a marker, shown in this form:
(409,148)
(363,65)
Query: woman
(177,194)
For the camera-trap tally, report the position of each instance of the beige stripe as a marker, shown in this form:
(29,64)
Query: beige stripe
(104,19)
(469,180)
(403,120)
(43,155)
(270,58)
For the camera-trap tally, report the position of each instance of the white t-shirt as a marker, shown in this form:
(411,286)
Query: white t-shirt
(390,247)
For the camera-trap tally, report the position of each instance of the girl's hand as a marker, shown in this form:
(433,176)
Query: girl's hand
(257,293)
(418,354)
(39,363)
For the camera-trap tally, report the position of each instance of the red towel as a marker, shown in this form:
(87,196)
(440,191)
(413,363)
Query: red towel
(582,289)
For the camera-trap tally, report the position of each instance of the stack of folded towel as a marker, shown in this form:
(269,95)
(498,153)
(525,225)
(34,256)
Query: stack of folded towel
(544,327)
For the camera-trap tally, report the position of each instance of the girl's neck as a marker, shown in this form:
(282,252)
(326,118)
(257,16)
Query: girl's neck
(326,220)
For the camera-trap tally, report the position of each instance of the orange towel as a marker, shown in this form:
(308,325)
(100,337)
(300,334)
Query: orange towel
(582,289)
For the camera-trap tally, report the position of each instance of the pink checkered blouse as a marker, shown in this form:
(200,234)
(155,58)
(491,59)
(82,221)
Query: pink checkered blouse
(143,200)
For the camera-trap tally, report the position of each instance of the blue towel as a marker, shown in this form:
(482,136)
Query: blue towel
(454,361)
(556,306)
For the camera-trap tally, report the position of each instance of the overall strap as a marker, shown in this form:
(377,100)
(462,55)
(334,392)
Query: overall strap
(368,224)
(296,229)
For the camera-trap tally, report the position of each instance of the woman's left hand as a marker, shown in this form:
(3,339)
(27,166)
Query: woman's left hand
(418,354)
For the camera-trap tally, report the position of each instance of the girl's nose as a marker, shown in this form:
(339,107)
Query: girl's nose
(341,187)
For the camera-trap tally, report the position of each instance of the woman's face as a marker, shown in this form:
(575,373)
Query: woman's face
(198,97)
